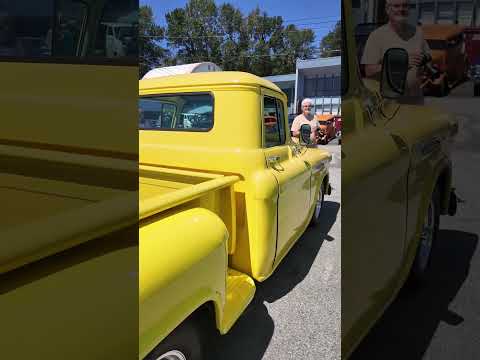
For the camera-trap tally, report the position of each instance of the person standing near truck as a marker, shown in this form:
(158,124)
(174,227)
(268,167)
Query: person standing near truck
(306,117)
(398,33)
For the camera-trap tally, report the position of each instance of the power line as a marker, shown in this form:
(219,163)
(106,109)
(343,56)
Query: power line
(218,36)
(315,52)
(313,23)
(313,18)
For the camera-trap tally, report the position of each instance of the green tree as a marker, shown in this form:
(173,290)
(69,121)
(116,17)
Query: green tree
(195,31)
(296,43)
(331,43)
(151,53)
(235,41)
(255,43)
(264,34)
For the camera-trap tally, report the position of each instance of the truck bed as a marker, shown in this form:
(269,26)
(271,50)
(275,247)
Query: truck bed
(163,188)
(53,200)
(28,199)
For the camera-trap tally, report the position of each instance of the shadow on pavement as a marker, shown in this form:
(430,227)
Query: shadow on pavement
(408,325)
(250,336)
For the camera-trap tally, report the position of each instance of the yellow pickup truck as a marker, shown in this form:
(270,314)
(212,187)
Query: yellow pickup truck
(397,180)
(224,195)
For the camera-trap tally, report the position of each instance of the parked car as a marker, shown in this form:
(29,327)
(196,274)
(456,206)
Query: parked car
(396,182)
(221,203)
(447,44)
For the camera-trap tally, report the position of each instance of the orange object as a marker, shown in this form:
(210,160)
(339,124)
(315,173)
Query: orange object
(327,126)
(447,43)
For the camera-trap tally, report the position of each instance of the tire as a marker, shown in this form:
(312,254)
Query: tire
(421,267)
(186,342)
(476,90)
(317,213)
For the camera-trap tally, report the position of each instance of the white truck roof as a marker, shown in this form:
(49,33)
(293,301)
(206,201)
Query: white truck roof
(182,69)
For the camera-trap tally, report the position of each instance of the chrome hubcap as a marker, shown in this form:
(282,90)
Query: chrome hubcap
(318,205)
(426,237)
(173,355)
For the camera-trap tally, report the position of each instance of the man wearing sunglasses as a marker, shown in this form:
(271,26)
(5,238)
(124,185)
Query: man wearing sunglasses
(398,33)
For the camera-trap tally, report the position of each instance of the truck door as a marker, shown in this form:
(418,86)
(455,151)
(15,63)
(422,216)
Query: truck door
(374,202)
(375,164)
(292,175)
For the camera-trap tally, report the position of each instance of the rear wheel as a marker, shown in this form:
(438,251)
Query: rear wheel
(426,246)
(186,342)
(476,90)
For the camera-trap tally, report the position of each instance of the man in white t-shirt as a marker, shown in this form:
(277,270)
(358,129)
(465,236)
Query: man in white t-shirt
(306,117)
(398,33)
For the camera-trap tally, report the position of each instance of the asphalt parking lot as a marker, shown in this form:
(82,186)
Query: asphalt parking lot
(442,320)
(296,312)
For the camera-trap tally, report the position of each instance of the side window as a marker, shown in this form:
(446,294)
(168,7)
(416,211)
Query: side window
(116,35)
(281,121)
(25,27)
(71,17)
(176,112)
(156,114)
(273,122)
(62,31)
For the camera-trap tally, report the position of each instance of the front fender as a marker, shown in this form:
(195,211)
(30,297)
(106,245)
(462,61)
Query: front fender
(183,265)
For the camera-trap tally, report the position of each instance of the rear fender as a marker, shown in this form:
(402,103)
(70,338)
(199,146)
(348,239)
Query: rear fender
(183,265)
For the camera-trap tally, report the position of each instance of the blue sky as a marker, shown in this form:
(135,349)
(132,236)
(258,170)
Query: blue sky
(317,15)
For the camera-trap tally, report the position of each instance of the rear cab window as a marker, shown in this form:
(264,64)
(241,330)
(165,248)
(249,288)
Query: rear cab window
(177,112)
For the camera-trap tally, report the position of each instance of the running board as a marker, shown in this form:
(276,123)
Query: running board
(240,291)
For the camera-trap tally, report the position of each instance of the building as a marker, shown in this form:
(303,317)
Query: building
(287,84)
(318,79)
(463,12)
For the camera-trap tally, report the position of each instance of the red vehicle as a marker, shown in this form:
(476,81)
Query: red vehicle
(337,124)
(327,127)
(472,47)
(337,119)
